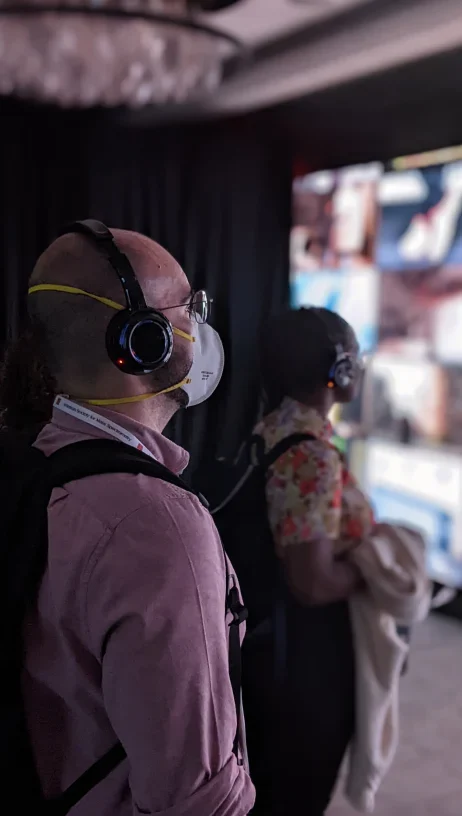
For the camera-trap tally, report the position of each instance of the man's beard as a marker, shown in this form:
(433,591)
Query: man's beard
(174,372)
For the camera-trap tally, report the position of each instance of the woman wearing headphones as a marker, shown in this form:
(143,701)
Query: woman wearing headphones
(317,514)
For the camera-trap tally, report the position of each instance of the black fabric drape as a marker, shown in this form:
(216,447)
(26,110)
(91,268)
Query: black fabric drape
(216,195)
(42,186)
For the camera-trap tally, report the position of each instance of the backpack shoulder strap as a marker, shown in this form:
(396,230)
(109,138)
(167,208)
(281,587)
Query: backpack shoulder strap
(266,460)
(259,462)
(93,457)
(85,783)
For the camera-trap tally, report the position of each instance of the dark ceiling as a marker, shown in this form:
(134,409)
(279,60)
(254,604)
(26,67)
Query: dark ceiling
(405,110)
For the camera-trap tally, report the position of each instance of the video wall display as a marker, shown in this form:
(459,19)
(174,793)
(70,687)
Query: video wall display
(420,313)
(420,224)
(382,245)
(421,488)
(406,400)
(335,219)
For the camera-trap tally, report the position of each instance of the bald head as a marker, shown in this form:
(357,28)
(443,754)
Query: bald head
(74,260)
(74,325)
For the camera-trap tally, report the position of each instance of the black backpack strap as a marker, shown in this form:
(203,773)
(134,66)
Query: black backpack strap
(91,458)
(239,615)
(279,615)
(85,783)
(266,460)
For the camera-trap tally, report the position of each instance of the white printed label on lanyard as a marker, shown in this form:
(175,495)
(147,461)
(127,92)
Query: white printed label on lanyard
(92,418)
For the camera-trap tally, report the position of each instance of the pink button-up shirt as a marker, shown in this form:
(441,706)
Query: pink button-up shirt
(129,642)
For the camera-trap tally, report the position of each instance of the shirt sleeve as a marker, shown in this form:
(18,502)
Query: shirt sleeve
(304,494)
(156,621)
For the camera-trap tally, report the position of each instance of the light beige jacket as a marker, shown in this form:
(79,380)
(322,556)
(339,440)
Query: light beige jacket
(398,590)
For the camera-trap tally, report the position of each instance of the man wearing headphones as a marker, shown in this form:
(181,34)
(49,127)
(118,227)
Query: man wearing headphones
(128,640)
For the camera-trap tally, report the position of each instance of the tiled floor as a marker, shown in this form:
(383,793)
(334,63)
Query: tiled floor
(426,779)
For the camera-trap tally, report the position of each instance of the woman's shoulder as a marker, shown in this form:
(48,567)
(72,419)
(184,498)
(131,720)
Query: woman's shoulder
(273,431)
(311,454)
(291,419)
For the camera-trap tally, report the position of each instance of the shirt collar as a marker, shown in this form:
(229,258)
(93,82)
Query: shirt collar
(164,450)
(304,419)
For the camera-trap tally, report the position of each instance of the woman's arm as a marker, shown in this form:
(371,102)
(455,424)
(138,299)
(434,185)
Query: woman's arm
(304,493)
(315,577)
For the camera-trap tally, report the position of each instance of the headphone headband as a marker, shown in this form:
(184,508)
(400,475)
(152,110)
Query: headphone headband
(107,246)
(139,340)
(341,372)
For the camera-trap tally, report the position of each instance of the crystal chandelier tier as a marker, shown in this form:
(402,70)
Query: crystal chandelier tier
(84,53)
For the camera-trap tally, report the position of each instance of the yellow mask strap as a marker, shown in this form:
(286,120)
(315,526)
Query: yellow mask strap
(137,398)
(73,290)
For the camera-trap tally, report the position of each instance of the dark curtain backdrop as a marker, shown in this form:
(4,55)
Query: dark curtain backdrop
(217,195)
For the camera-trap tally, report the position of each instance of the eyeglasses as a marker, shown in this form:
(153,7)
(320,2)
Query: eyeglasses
(199,306)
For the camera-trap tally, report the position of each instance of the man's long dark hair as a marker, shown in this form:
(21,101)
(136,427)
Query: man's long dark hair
(27,388)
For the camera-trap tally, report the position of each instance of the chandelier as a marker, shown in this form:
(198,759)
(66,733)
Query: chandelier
(84,53)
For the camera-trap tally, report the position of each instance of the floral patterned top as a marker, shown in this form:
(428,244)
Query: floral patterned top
(310,491)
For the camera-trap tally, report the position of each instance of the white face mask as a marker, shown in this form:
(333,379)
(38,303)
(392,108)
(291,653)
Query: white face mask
(208,364)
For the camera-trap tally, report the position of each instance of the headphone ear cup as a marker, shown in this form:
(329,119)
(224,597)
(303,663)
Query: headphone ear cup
(139,342)
(343,374)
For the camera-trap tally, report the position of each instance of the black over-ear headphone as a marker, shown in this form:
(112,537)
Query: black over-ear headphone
(139,340)
(342,371)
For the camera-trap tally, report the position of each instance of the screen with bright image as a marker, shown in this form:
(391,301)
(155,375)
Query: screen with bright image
(382,246)
(335,219)
(353,294)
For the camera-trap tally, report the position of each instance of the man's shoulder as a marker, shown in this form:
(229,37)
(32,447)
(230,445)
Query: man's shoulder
(113,497)
(143,517)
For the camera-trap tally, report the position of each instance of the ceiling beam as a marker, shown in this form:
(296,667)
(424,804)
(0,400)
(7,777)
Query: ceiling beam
(369,39)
